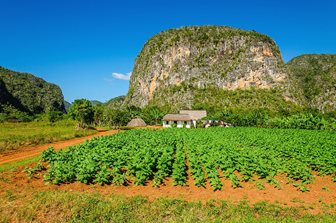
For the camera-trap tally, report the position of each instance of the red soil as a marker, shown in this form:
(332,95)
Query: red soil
(322,191)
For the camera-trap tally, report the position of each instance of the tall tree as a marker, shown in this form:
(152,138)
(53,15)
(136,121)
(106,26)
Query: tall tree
(152,115)
(82,111)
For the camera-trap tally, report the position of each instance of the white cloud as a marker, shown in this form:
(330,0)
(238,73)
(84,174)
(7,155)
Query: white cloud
(120,76)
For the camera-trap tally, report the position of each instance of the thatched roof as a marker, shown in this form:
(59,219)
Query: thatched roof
(195,114)
(137,122)
(177,117)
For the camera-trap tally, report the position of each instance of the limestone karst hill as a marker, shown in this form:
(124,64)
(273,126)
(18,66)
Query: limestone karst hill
(219,66)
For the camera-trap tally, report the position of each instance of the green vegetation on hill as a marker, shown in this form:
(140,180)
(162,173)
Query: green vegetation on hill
(116,103)
(199,37)
(316,76)
(24,94)
(214,99)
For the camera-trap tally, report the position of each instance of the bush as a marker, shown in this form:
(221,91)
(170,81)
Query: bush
(173,125)
(302,121)
(264,118)
(199,124)
(54,116)
(2,117)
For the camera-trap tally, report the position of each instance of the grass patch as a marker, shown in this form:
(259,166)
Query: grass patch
(15,164)
(16,135)
(63,206)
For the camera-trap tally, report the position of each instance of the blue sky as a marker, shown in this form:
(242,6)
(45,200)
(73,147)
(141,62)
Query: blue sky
(79,44)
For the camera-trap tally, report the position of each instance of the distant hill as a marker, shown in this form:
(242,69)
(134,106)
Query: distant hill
(95,102)
(116,103)
(315,75)
(27,93)
(67,105)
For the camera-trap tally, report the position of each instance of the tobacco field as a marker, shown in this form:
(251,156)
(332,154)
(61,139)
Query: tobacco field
(207,155)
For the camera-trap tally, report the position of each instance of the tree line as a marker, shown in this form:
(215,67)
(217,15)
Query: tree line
(88,115)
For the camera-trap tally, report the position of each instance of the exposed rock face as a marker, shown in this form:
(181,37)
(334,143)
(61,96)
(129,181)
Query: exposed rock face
(202,57)
(315,74)
(27,93)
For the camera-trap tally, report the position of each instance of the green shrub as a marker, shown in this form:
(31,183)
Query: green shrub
(126,128)
(54,116)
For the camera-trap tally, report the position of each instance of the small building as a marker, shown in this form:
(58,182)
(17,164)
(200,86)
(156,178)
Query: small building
(180,120)
(137,122)
(195,115)
(186,118)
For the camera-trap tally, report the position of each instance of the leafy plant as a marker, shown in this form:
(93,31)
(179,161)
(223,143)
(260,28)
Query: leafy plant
(31,171)
(207,155)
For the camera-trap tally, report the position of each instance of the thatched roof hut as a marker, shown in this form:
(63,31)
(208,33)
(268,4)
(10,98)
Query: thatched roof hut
(137,122)
(177,117)
(195,114)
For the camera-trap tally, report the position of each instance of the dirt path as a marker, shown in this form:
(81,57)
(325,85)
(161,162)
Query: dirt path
(36,150)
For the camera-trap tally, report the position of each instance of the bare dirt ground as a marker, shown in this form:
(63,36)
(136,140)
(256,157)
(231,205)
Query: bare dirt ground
(31,151)
(322,192)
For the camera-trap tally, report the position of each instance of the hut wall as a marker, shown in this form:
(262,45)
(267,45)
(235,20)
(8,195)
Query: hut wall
(180,124)
(188,125)
(166,124)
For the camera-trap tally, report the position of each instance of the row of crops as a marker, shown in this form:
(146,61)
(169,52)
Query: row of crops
(206,155)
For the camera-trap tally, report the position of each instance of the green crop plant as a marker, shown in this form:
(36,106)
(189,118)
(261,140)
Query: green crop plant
(205,155)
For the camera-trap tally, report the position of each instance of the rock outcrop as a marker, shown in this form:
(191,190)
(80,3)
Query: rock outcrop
(204,57)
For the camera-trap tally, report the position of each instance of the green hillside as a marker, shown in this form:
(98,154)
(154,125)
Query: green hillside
(115,103)
(315,74)
(26,93)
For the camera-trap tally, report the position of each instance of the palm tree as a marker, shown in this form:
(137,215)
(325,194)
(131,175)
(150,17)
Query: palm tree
(156,114)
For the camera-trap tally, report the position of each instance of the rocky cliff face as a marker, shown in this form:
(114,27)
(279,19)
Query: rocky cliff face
(315,75)
(27,93)
(204,57)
